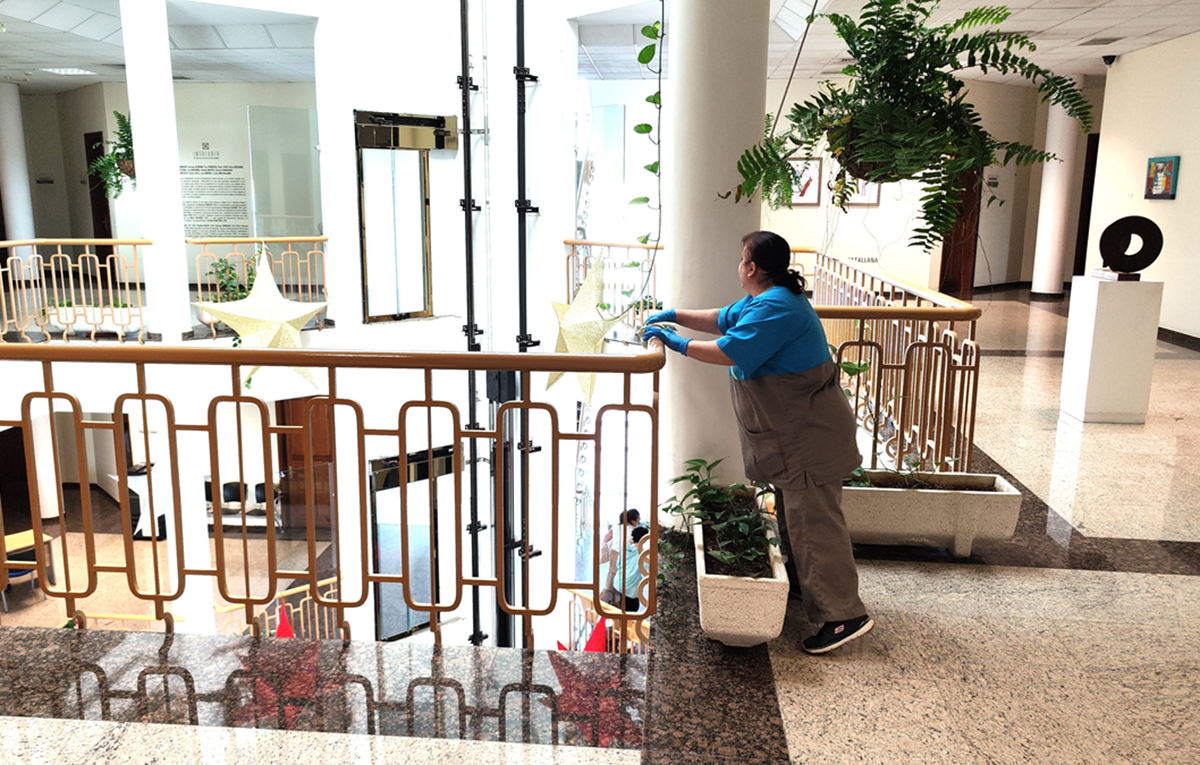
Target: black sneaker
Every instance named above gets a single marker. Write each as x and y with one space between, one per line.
834 634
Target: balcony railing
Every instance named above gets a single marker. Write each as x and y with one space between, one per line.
161 409
297 263
917 394
66 287
916 397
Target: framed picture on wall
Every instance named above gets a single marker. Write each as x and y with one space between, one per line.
864 195
808 187
1162 176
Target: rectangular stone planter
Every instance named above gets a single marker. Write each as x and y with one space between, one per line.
881 515
737 610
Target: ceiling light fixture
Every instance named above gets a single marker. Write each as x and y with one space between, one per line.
70 72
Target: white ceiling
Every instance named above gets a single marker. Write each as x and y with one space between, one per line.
1061 29
209 43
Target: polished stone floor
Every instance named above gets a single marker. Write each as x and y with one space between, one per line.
1078 641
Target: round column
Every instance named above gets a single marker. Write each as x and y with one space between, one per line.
1050 254
715 107
156 145
14 167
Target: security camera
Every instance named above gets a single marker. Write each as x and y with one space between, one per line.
1109 60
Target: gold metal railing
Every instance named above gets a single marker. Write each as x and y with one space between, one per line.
628 272
308 618
60 287
630 276
175 439
917 395
297 263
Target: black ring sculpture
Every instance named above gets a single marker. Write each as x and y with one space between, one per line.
1116 238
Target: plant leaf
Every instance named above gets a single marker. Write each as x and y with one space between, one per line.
640 201
643 128
646 55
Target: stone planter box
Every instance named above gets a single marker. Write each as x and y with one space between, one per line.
740 611
881 515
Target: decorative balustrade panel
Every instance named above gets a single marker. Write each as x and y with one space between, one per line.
183 434
630 282
226 269
64 288
917 393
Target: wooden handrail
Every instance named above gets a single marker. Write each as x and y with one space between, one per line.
940 299
255 239
650 360
937 313
590 243
32 242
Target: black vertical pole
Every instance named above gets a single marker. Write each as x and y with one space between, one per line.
525 341
470 328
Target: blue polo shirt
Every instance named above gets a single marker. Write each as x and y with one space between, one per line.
775 333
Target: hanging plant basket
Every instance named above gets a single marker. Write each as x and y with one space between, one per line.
904 114
126 167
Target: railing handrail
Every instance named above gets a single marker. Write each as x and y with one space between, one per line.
650 360
940 299
35 242
899 312
592 243
255 239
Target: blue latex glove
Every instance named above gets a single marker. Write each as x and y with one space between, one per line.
660 316
668 338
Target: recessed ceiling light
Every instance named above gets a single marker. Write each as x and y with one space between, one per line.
70 72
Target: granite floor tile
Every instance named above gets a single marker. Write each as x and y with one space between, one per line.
101 743
869 715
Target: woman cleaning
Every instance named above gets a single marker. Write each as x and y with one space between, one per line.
797 429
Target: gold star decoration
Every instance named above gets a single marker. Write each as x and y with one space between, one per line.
265 319
581 326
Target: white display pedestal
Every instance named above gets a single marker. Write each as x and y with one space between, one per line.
1112 334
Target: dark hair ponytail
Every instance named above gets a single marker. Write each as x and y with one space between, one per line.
629 516
770 252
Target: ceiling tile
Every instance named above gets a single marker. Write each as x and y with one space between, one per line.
116 38
1045 14
26 10
195 38
64 16
292 35
98 27
246 36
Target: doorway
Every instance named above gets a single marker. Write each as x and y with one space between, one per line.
1085 204
93 147
293 483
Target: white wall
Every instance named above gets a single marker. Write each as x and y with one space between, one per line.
79 112
43 147
1151 109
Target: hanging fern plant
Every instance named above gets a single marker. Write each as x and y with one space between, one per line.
904 115
115 167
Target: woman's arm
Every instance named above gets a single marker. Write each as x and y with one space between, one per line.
704 320
709 352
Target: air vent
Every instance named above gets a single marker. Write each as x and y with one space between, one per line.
1102 41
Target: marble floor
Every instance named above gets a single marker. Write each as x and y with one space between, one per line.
1078 641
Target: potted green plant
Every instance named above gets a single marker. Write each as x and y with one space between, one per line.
741 581
915 504
904 114
230 286
115 167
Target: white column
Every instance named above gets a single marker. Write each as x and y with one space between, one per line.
1050 254
156 147
14 167
715 105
